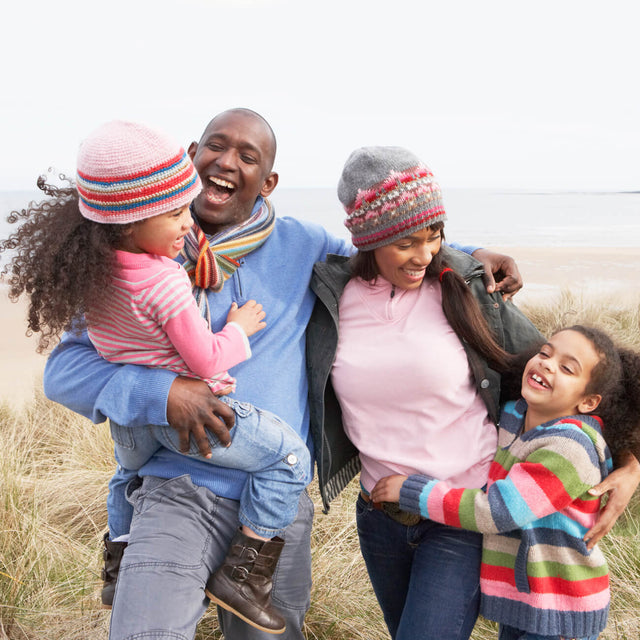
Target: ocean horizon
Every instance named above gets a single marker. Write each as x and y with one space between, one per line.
484 217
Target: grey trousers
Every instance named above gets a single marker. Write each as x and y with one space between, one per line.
179 535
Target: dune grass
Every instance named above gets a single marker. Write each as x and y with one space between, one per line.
54 471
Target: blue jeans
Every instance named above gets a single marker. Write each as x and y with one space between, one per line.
426 577
179 536
263 445
511 633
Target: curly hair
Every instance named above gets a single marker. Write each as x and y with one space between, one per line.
616 377
61 260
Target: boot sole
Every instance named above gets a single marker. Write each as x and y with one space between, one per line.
229 608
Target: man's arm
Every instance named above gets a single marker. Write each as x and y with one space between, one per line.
620 485
77 377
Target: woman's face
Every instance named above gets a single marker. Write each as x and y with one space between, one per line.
404 261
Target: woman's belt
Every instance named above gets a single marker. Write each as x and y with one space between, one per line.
392 509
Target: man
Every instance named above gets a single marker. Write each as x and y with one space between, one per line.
186 511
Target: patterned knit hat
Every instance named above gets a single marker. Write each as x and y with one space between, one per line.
128 172
387 194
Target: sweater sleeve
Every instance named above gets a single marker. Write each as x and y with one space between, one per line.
465 248
77 377
562 467
205 353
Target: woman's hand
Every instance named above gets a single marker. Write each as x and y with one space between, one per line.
388 489
620 485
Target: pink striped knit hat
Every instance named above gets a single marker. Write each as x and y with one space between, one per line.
127 172
387 194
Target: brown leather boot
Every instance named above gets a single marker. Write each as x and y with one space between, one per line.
243 582
112 555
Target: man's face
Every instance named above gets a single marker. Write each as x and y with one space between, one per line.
234 159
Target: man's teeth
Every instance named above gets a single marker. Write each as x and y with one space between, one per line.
539 380
221 183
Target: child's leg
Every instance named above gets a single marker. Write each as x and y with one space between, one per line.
274 455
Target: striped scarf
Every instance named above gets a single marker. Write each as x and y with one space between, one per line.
209 262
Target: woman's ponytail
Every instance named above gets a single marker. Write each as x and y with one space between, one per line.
465 316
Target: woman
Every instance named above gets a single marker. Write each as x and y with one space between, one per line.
402 356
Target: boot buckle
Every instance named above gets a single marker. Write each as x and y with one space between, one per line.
239 573
249 553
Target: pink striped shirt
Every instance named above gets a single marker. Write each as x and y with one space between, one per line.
150 317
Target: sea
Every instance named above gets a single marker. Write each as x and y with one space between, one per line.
474 216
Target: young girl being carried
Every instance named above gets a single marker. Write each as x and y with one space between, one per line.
539 578
106 250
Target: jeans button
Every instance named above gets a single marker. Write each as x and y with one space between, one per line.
292 458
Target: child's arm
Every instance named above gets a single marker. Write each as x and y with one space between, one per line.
206 353
550 479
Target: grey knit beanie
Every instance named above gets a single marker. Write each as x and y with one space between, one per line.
387 194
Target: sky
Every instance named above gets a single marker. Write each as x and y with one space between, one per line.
499 94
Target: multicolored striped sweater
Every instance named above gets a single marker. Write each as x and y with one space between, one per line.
537 574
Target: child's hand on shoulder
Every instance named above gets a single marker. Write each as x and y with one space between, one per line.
249 316
388 489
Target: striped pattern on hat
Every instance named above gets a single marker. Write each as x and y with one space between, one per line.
387 193
128 171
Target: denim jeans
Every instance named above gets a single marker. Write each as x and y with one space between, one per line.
179 536
511 633
263 445
426 577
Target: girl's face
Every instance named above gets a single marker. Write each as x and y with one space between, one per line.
161 235
555 380
404 261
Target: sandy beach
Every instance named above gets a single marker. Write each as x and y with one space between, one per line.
591 271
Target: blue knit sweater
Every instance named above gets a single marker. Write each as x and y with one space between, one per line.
277 275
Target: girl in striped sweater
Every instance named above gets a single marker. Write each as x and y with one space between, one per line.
107 249
539 578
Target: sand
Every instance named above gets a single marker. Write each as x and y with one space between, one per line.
592 271
21 370
601 271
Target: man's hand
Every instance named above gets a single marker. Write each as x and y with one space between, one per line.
621 485
192 408
500 272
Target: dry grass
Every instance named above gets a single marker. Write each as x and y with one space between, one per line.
53 483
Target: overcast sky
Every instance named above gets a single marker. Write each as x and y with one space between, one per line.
500 94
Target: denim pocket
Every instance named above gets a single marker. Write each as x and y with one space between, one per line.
361 506
242 409
154 491
122 436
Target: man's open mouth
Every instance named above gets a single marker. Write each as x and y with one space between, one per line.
218 190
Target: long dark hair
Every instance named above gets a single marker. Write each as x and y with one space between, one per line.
458 303
61 260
